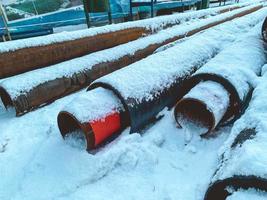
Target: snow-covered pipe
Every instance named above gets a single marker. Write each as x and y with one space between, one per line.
98 114
206 104
243 156
235 70
264 30
28 54
29 90
148 86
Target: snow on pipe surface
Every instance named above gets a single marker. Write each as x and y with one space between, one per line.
29 90
264 30
243 157
234 70
20 56
147 91
97 114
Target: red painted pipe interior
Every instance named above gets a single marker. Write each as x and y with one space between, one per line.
105 127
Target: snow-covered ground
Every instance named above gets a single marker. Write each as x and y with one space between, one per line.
162 162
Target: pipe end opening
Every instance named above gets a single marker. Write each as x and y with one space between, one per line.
5 98
194 116
73 132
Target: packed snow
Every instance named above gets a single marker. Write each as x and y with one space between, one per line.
38 164
94 105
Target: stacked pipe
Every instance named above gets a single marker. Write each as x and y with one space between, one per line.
28 54
243 156
25 92
154 82
219 93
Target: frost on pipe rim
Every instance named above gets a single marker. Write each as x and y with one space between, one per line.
25 92
264 30
234 69
243 156
28 54
98 114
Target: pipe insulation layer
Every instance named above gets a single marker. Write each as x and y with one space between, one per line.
205 104
29 90
154 82
98 114
242 63
243 157
28 54
264 30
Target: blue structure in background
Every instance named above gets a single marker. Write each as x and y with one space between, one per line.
44 24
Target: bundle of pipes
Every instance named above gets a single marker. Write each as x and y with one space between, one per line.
21 56
264 30
146 87
243 156
219 93
29 90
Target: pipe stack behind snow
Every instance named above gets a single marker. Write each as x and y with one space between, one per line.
28 54
243 156
219 92
29 90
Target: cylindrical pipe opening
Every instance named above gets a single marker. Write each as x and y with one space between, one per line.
203 107
5 97
264 30
95 131
194 116
72 129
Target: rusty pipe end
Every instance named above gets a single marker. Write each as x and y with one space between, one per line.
6 98
68 123
195 111
264 30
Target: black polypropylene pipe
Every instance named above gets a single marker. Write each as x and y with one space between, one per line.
218 190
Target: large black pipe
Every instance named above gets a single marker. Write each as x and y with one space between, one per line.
244 60
243 161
